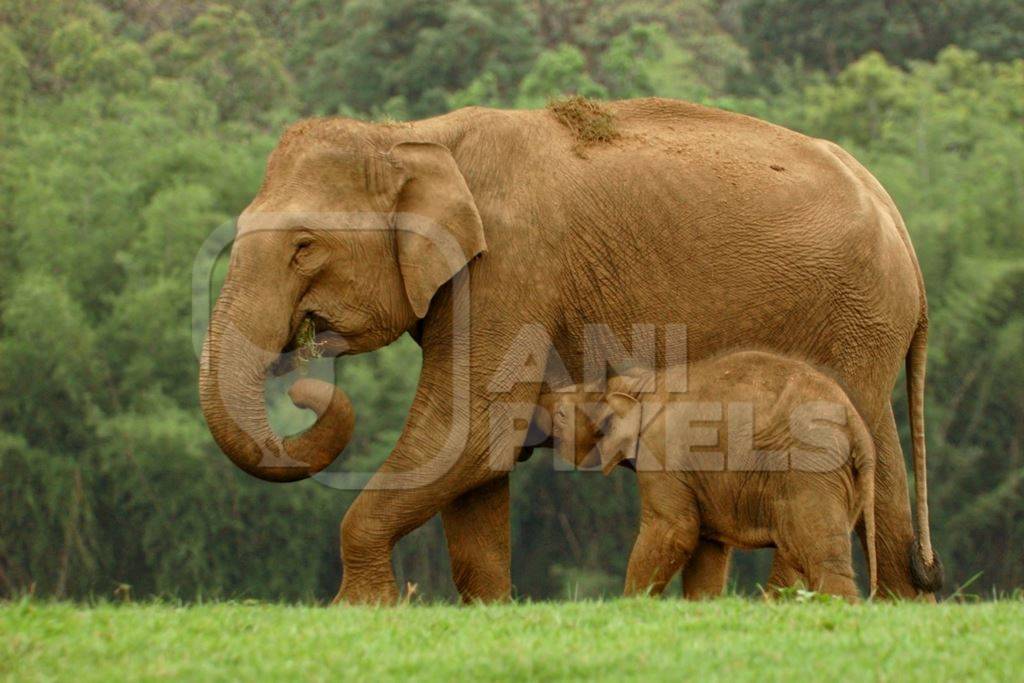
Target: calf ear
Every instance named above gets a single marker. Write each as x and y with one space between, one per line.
563 433
621 430
438 228
627 381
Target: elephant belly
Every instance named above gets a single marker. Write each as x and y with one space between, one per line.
736 507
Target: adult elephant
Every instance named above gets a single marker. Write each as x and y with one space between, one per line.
635 212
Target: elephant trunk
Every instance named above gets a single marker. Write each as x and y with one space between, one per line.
231 385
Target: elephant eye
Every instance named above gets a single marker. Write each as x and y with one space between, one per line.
308 255
302 246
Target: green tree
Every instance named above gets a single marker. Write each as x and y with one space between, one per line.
833 34
239 69
408 56
14 81
557 72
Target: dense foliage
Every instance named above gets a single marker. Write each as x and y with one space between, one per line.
130 130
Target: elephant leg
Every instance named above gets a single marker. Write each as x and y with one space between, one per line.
367 575
451 446
895 532
830 567
704 576
476 525
381 515
661 548
784 574
813 533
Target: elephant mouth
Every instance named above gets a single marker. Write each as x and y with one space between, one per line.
313 338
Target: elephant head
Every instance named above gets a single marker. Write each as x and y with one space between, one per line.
620 418
587 431
352 230
572 429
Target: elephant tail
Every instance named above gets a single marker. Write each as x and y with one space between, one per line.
864 467
925 567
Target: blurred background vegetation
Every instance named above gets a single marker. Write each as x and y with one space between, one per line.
130 129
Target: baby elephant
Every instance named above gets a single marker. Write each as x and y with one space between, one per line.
749 449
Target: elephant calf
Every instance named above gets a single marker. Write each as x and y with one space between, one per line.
759 451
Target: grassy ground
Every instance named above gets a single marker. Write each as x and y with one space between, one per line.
727 639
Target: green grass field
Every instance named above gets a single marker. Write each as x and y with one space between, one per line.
667 639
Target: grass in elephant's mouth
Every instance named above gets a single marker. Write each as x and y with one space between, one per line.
307 348
640 639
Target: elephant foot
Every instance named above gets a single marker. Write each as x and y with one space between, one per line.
366 593
485 587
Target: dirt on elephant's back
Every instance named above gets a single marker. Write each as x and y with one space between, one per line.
589 122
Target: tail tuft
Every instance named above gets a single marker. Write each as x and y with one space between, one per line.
927 577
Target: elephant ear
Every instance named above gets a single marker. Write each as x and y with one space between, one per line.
563 431
621 429
436 219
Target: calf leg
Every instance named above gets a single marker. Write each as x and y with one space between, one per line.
784 574
661 548
830 570
704 576
818 542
